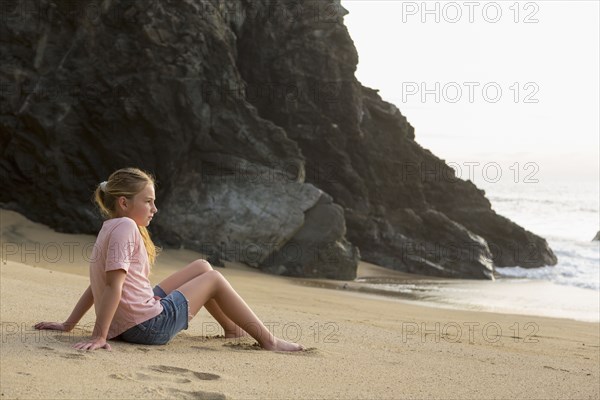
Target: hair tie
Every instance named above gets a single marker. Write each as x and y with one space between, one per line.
103 186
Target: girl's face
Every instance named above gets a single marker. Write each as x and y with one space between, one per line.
140 208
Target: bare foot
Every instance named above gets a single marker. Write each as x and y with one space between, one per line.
282 345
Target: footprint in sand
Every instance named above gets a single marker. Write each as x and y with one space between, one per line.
204 348
181 394
63 338
145 377
141 377
167 374
205 376
73 356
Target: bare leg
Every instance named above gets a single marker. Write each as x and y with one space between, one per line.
212 285
188 273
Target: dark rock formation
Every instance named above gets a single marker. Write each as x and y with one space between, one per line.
266 148
597 237
404 207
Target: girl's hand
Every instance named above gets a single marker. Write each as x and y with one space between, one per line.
93 344
56 326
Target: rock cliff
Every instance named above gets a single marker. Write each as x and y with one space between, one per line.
266 148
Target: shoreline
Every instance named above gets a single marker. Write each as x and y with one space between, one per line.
459 294
370 280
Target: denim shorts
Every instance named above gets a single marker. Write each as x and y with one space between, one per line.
162 328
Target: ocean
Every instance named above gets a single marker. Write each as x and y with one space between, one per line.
567 215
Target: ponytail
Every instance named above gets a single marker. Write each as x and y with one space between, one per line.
125 182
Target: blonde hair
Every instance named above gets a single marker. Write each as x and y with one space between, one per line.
125 182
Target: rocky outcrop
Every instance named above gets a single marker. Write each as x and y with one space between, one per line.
266 148
404 207
597 237
134 85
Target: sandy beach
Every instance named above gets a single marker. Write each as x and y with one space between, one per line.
359 345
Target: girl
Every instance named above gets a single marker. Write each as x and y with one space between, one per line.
126 305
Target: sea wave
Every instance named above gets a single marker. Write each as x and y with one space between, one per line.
568 274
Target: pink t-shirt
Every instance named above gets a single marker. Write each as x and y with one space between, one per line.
119 245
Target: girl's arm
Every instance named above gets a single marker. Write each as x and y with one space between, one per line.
107 306
83 305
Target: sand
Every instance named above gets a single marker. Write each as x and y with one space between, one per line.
359 345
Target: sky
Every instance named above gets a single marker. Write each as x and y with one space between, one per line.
517 83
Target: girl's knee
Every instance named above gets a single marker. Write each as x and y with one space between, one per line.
202 265
216 275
